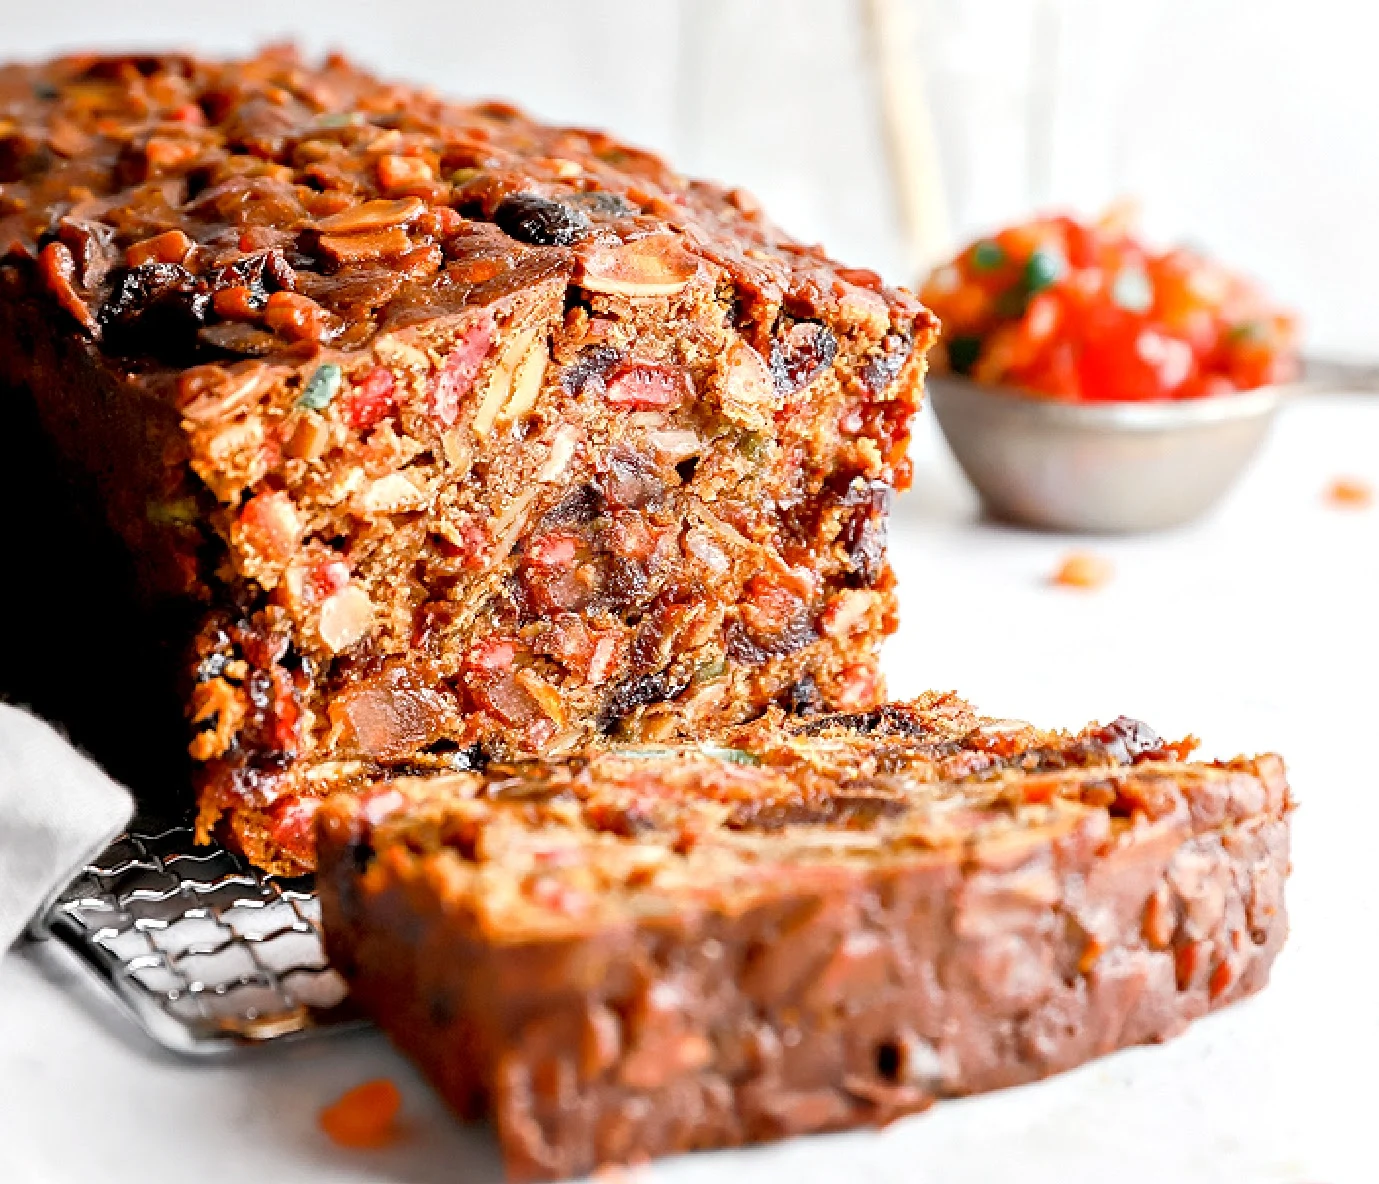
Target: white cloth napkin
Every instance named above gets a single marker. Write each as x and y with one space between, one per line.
57 811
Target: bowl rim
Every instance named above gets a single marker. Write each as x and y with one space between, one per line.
1140 416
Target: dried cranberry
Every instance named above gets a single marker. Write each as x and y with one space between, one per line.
804 353
540 221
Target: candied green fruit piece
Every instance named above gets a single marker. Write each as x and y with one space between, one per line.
322 387
1044 269
987 255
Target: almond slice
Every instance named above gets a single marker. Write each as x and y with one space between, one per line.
373 215
526 383
562 452
215 394
242 436
392 350
344 250
393 494
499 388
455 445
546 696
345 618
748 393
653 266
58 270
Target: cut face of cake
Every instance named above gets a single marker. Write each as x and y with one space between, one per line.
437 435
798 925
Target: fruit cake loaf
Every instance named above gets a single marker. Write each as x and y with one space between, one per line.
437 434
805 925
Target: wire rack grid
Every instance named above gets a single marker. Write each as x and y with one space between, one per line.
206 953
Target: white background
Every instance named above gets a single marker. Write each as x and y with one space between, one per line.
1249 126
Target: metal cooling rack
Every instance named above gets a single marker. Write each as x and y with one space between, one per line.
205 952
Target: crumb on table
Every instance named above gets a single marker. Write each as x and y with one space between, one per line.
364 1117
1350 493
1083 569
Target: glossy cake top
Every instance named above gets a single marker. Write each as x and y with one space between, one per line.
196 210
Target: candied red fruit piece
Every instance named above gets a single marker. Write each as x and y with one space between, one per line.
269 525
372 398
292 826
557 549
646 386
328 576
456 377
493 654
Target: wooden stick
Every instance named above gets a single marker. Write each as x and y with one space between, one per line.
912 147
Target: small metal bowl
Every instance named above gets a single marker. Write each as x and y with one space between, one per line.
1100 467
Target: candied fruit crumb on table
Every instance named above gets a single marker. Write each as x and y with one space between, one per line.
1083 569
365 1117
438 435
798 925
1350 493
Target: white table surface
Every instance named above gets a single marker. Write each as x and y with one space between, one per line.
1255 629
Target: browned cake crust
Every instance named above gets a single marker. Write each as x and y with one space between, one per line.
804 926
451 434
